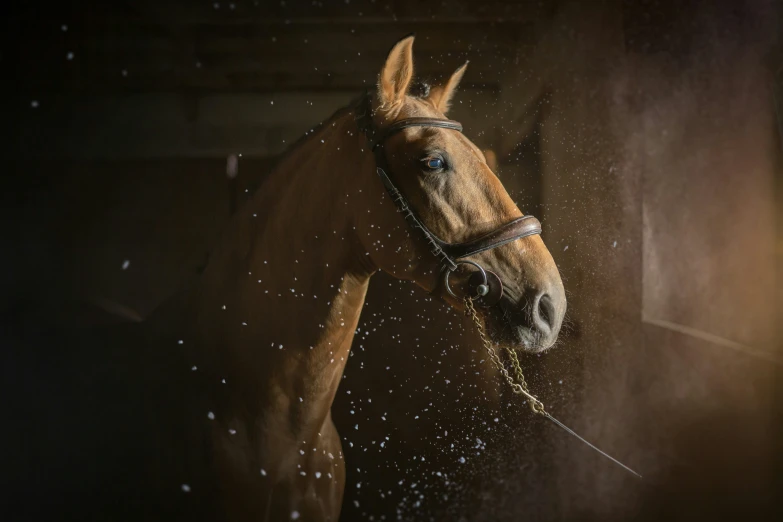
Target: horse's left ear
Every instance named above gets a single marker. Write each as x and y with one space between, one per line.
396 75
441 96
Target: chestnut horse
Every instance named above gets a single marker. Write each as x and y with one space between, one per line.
218 407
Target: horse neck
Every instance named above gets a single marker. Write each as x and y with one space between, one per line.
280 300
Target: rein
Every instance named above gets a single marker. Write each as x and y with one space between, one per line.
488 287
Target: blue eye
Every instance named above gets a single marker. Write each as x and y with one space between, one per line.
435 163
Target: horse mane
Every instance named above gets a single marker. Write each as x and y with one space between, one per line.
307 136
418 89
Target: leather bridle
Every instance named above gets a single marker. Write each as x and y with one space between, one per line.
489 288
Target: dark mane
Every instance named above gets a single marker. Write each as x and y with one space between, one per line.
308 135
418 89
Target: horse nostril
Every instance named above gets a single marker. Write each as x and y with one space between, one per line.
544 313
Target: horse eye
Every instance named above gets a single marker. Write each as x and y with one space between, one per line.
434 163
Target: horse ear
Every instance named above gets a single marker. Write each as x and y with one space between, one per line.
396 74
441 96
492 159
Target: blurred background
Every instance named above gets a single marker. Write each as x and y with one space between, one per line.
646 136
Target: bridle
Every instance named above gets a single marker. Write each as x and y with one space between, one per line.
489 288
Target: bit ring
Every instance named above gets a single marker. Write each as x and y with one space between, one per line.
481 290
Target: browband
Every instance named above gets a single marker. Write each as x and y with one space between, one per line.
416 122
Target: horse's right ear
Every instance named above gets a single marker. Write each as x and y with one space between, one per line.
396 75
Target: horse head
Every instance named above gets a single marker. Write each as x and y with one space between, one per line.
442 182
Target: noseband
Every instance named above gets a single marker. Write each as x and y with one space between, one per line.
489 288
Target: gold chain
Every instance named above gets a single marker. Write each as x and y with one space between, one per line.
520 385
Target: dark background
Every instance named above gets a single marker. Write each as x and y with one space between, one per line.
644 134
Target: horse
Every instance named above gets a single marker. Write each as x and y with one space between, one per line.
218 405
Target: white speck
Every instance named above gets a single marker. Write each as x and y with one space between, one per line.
301 452
180 342
272 102
211 416
126 263
566 248
34 104
317 474
496 419
185 488
280 347
69 56
614 244
462 460
124 72
194 368
294 515
64 28
232 431
263 472
302 400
